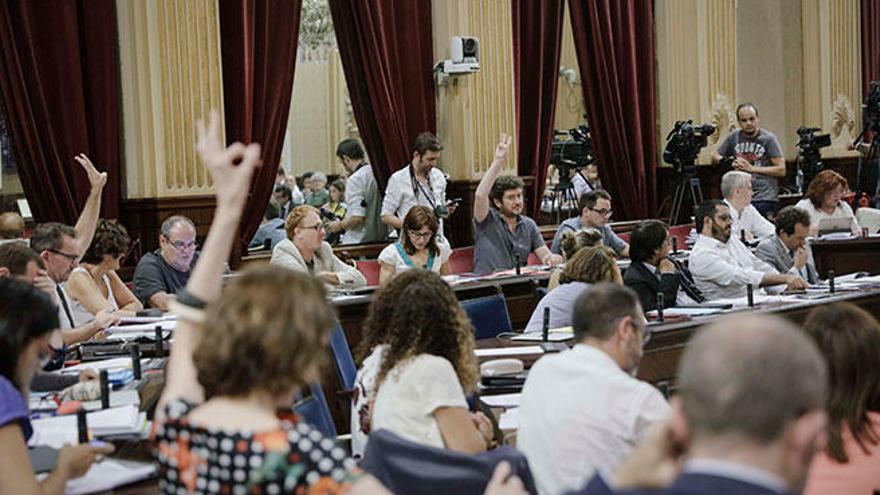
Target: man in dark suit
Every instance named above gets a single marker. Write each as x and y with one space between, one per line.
748 418
652 272
786 250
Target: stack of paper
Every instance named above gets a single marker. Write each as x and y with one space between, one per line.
554 335
60 430
503 400
508 351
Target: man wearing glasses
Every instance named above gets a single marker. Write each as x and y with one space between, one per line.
60 248
160 274
596 211
721 265
582 410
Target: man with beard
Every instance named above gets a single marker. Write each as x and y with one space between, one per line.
755 151
722 266
503 236
582 410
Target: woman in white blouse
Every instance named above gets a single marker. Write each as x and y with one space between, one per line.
304 250
94 285
822 200
416 248
427 367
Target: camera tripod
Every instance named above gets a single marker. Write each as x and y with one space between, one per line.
687 184
563 196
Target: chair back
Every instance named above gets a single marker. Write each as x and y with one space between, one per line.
370 269
315 411
869 218
342 357
403 466
461 260
489 315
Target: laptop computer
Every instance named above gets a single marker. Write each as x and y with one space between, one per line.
835 225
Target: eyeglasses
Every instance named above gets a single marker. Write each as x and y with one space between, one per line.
641 324
602 211
181 245
316 227
70 257
421 235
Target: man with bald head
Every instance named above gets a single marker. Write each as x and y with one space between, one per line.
748 417
11 226
160 274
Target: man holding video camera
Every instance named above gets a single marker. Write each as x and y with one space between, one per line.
756 151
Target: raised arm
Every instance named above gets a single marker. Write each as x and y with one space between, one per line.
231 183
481 197
88 219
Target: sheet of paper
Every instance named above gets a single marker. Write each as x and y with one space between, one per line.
557 335
509 419
109 474
142 327
59 430
503 400
508 351
686 311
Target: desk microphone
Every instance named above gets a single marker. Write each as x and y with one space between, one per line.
136 360
660 304
516 261
750 295
82 426
105 390
160 349
545 329
742 236
831 281
675 245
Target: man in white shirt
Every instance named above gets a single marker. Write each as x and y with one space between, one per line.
736 188
721 265
362 220
418 183
582 410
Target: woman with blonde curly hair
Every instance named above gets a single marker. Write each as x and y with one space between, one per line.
426 370
588 266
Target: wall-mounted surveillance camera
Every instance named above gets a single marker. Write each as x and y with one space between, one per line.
464 53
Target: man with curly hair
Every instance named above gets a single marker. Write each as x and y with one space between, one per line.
503 236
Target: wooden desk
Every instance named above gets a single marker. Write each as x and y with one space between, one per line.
847 256
659 364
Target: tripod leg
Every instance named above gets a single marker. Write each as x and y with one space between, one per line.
677 198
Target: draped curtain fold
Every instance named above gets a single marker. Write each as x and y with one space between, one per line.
59 79
386 47
258 42
537 45
870 42
614 41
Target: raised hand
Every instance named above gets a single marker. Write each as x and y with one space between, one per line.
97 180
231 167
502 147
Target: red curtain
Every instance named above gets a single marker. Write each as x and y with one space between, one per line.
258 40
386 48
59 79
870 43
614 41
537 44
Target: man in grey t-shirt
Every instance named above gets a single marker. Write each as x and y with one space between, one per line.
595 207
504 236
757 152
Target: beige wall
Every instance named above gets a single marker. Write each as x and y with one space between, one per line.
798 60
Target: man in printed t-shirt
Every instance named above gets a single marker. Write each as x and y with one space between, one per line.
757 152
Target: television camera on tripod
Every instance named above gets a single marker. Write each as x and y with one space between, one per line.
571 151
809 157
869 175
683 144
